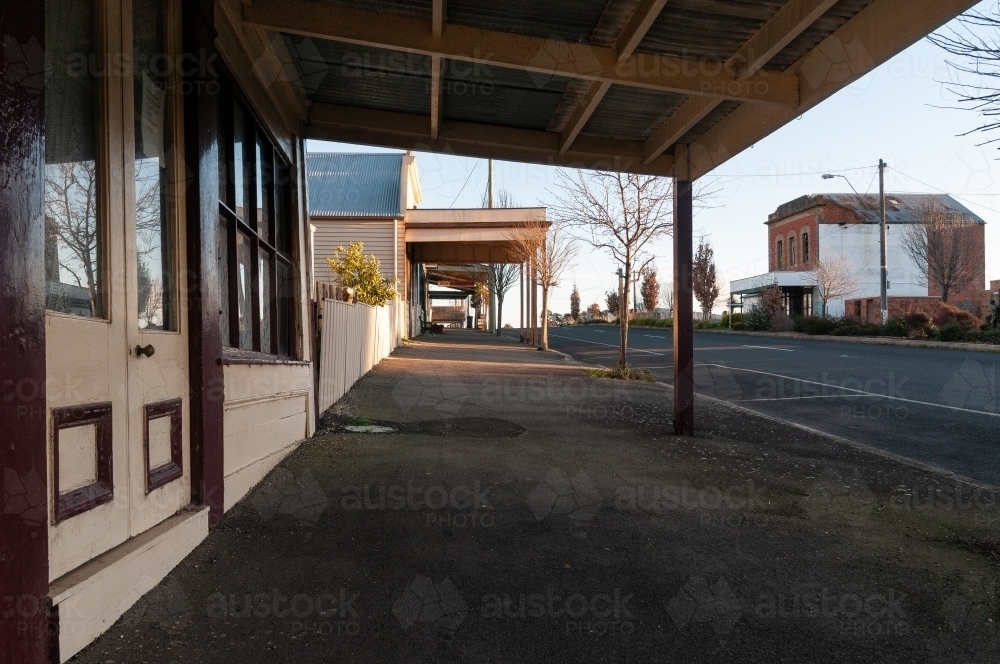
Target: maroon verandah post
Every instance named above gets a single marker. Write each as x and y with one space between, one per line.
683 310
26 634
201 154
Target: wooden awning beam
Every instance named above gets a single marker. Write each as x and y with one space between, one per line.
779 31
408 131
873 36
552 57
635 29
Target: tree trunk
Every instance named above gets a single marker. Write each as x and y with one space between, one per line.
499 313
623 316
545 318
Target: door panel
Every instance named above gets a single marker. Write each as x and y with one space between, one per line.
154 262
85 325
119 286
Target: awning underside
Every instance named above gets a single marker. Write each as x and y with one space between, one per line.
641 85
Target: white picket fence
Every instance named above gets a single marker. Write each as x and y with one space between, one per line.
354 338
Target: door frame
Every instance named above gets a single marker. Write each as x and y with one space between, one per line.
24 552
201 155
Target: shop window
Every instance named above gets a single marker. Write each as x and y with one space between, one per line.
153 149
256 263
75 215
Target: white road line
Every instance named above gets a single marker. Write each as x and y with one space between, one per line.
600 343
814 396
850 389
653 336
787 350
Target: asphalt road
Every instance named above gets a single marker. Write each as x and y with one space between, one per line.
935 406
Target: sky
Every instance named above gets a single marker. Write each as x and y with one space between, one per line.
902 112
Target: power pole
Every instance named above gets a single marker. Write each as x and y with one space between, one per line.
492 315
635 291
884 240
489 185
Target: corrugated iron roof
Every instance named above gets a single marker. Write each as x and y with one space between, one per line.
628 113
707 30
905 208
499 95
339 73
354 185
571 20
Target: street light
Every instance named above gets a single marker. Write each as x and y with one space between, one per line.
883 234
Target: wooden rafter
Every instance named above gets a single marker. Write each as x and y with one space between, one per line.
635 29
437 94
637 26
438 17
584 109
545 56
786 24
409 131
873 36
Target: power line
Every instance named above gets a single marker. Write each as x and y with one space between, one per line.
943 191
474 166
785 175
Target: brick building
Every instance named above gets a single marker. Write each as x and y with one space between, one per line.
825 227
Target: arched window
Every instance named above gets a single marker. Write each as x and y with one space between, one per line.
805 247
791 251
780 255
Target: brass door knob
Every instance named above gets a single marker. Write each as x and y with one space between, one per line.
144 350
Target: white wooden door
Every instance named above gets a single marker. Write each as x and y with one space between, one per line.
159 462
118 420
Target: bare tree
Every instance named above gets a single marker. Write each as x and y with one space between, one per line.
944 248
667 298
834 279
620 213
551 251
650 289
71 213
975 80
574 304
704 279
503 276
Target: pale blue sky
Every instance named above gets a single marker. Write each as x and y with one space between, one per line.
900 112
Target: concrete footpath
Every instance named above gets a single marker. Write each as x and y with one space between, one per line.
524 512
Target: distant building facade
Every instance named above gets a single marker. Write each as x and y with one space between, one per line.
827 227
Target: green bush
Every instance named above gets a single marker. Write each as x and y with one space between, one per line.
737 320
816 325
956 332
652 322
896 327
626 372
756 318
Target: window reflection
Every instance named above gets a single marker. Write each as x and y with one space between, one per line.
73 234
154 242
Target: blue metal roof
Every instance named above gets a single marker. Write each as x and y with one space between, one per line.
354 185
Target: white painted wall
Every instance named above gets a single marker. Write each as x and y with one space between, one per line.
268 411
859 243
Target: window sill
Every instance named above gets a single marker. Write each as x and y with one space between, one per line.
233 356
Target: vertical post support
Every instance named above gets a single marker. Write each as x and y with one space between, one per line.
520 298
201 155
683 306
26 618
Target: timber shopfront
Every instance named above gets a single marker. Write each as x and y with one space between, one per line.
154 358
